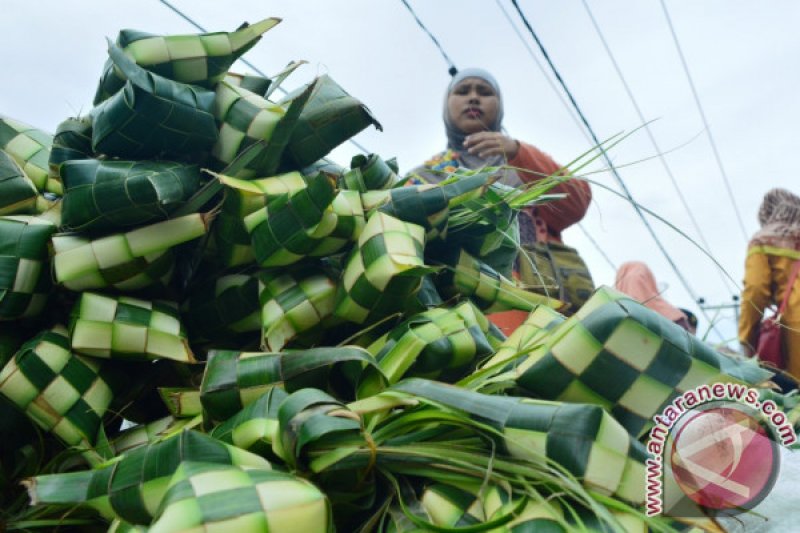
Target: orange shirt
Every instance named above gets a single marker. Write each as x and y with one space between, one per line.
557 215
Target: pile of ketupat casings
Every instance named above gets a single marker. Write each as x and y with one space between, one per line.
209 326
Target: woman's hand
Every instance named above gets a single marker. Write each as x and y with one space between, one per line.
488 143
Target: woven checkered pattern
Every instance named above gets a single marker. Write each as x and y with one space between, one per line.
30 148
652 360
134 486
424 205
128 275
127 328
254 427
127 261
442 344
330 117
212 497
584 439
293 303
72 141
61 392
245 118
200 59
152 116
383 270
344 223
291 226
488 289
233 380
17 192
24 277
527 335
369 173
107 195
231 241
223 308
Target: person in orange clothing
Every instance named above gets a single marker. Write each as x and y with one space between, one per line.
771 254
473 116
635 279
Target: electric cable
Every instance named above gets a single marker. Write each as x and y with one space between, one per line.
705 123
610 164
652 138
451 66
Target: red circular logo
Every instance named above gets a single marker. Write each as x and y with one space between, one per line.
724 458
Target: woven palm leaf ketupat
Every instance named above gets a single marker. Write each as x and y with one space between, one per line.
330 117
369 173
61 392
152 116
30 148
214 497
101 196
24 259
383 270
652 359
133 487
72 141
442 344
292 225
128 328
245 118
426 205
128 261
344 223
233 380
19 194
293 303
489 290
232 245
199 59
582 438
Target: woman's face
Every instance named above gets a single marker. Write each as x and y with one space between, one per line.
472 105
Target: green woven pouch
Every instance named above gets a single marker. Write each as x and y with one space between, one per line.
17 192
30 148
330 117
24 259
200 59
152 116
102 196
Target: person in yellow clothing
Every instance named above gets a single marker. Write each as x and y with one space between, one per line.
771 254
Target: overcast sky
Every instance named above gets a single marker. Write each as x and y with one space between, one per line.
742 56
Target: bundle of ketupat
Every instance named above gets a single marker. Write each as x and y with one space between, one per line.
284 311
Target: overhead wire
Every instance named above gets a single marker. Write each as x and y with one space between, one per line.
652 138
609 163
710 136
257 70
451 66
570 112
